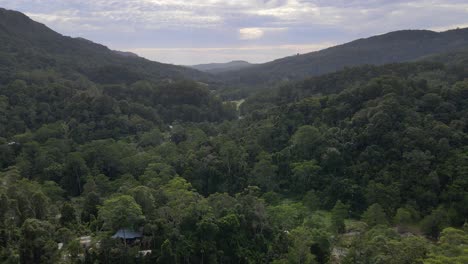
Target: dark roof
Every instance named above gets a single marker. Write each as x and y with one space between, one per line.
125 233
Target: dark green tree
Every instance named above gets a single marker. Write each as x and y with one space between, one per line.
338 214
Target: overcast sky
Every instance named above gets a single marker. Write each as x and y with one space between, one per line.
201 31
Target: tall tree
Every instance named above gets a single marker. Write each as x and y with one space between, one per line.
121 212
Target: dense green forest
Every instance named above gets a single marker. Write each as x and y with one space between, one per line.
365 165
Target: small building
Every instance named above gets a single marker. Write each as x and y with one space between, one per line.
85 241
128 235
143 253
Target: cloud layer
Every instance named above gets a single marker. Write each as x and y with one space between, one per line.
178 31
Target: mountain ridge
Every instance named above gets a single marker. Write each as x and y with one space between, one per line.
49 49
376 50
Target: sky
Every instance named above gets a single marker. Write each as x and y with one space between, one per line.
188 32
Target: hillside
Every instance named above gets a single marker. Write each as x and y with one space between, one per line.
27 45
398 46
379 136
222 67
48 79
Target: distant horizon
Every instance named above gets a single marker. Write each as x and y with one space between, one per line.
325 47
281 52
195 32
220 62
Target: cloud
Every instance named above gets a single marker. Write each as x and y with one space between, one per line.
256 33
290 10
255 14
250 33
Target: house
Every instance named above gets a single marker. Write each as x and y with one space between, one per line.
128 235
143 253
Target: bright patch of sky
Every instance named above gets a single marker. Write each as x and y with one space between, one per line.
202 31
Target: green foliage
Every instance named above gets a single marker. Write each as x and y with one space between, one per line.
37 244
120 212
151 138
338 214
311 200
67 214
383 245
306 176
299 252
434 223
374 215
451 248
307 140
286 216
264 173
90 206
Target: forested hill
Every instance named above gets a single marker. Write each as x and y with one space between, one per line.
26 45
48 80
398 46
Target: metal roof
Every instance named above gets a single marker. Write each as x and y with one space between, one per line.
125 233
